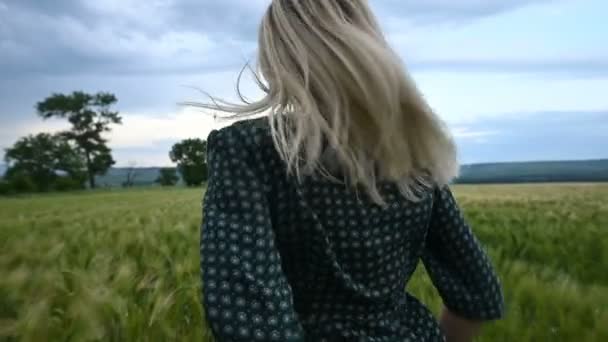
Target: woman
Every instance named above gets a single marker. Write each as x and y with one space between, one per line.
316 216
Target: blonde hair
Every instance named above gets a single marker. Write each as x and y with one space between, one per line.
336 93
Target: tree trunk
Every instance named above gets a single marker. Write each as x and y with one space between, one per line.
90 172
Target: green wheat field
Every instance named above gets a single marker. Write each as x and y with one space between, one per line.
123 265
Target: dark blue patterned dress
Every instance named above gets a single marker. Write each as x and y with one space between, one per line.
283 261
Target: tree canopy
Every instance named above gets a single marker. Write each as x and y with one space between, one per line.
167 176
191 158
44 162
90 117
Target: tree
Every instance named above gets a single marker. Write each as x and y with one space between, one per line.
6 188
90 117
191 158
131 175
167 176
41 162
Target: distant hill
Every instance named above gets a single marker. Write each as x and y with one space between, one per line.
527 172
513 172
116 176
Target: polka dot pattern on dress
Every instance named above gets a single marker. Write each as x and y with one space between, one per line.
315 261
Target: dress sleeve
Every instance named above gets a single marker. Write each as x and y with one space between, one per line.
246 296
458 266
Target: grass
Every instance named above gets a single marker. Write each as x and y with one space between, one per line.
123 265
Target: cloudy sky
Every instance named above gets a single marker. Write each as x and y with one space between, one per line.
514 79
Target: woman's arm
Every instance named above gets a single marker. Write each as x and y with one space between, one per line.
246 296
458 329
460 270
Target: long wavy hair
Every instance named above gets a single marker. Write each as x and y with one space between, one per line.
338 98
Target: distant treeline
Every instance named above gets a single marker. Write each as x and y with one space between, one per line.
519 172
145 176
530 172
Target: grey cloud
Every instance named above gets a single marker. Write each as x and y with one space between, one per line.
215 16
584 67
447 11
594 122
77 39
166 36
551 135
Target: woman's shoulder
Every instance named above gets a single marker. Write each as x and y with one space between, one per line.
247 140
250 133
246 144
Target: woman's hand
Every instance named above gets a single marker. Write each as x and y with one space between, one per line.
457 329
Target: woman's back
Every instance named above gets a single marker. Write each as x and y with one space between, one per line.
289 255
314 260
